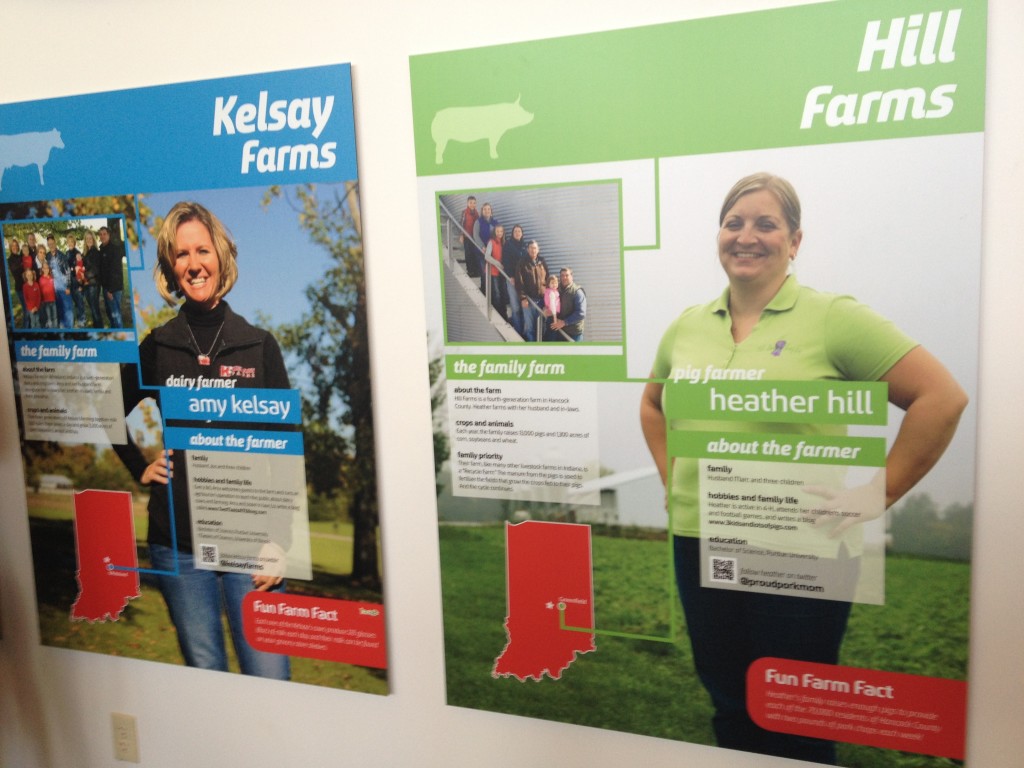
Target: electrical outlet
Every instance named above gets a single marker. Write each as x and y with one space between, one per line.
126 737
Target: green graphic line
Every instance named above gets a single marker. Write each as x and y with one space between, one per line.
657 213
675 607
610 632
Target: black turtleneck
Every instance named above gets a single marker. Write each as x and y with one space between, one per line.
205 323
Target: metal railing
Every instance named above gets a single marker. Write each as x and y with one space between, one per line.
450 227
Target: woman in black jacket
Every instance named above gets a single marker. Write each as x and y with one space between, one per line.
211 347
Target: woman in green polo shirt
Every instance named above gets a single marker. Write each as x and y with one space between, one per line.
766 322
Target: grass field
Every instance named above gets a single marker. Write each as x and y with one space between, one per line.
648 687
144 630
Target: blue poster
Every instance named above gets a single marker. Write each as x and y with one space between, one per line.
185 300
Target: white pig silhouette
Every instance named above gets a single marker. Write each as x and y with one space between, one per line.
467 124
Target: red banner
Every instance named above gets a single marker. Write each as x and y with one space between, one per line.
344 631
911 713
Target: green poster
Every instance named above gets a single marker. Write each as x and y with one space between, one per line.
702 302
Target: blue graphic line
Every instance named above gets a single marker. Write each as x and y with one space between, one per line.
112 567
174 534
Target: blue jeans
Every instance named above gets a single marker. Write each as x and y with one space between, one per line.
50 313
517 319
556 336
92 297
472 258
499 294
65 315
530 315
197 600
729 630
26 320
114 308
79 303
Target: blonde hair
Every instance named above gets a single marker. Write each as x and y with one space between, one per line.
777 185
166 249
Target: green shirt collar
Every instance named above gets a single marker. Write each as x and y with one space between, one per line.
783 300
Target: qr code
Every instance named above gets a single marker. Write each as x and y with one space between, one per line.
208 554
723 569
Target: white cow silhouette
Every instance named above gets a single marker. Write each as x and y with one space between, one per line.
21 149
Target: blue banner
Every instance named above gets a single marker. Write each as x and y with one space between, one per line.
269 406
240 441
276 128
76 351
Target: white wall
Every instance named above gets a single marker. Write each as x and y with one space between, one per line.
55 704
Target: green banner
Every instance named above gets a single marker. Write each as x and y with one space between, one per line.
792 402
818 74
535 367
759 446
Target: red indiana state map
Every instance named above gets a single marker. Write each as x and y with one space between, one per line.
549 575
104 538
